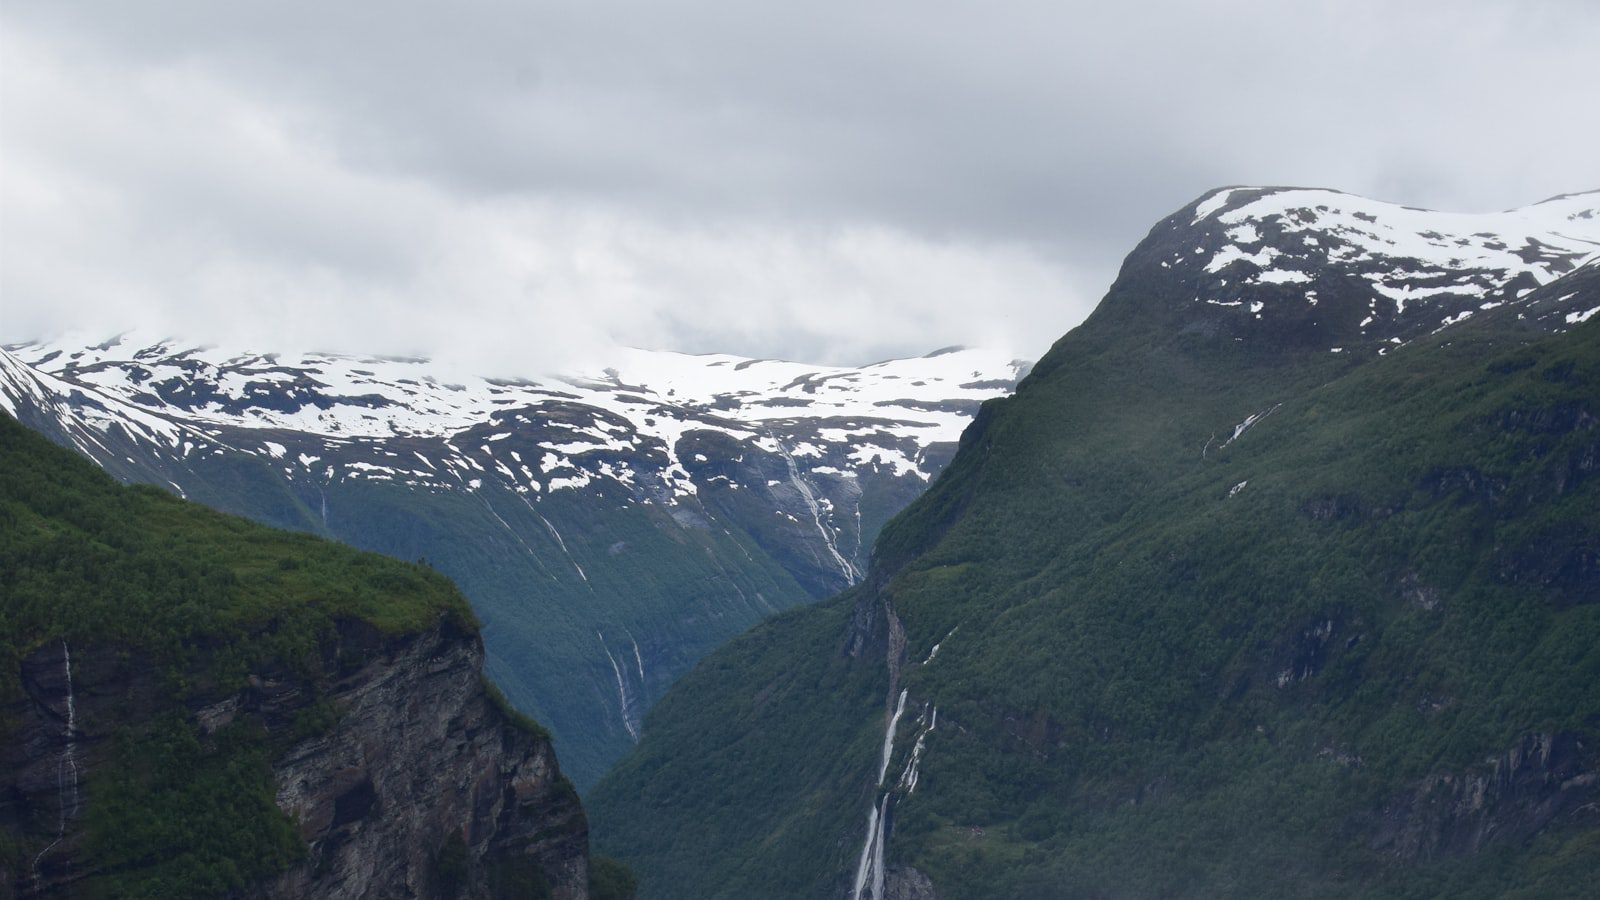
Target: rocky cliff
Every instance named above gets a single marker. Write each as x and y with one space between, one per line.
420 785
192 705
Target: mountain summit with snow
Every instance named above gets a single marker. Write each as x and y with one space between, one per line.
1298 268
610 525
621 423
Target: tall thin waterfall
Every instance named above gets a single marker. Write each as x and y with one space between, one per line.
66 766
869 870
628 704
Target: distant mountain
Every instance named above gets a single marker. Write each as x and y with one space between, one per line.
609 527
1278 577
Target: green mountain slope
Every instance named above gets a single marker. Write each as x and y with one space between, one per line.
1349 649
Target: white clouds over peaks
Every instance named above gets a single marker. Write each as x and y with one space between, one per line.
518 183
150 195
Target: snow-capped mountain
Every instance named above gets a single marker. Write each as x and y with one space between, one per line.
610 526
1302 268
622 423
1301 526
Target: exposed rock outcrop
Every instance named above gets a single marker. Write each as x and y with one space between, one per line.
1544 780
420 755
422 785
906 883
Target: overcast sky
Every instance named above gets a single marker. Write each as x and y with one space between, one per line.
516 184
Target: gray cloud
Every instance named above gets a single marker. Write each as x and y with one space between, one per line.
521 182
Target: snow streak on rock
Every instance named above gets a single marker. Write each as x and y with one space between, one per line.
829 539
623 424
1281 255
705 438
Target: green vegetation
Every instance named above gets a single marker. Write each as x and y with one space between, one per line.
179 816
91 561
1178 668
611 880
184 603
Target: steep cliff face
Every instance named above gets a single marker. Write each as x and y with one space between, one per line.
1546 779
421 755
419 784
192 705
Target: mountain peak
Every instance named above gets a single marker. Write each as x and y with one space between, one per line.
1317 269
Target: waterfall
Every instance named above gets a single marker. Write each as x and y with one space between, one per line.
851 574
908 777
69 754
935 651
628 712
864 868
559 542
638 659
66 767
888 737
870 867
877 849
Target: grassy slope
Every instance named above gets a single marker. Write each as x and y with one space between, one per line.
205 598
1109 712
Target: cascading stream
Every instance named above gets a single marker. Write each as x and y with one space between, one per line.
851 575
559 542
869 870
628 711
66 767
888 736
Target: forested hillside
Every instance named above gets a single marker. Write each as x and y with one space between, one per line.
1261 597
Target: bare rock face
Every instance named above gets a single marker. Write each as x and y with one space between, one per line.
422 773
422 786
1544 780
906 883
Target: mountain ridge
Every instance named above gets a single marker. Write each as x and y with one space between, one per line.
1202 608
